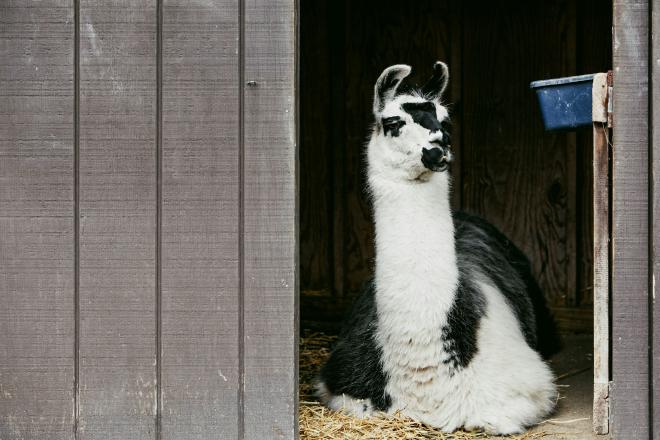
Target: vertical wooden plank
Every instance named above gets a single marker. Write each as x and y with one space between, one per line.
601 276
36 220
270 220
455 98
630 218
594 54
337 90
117 219
200 191
317 146
655 214
569 241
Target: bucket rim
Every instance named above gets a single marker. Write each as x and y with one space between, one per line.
561 81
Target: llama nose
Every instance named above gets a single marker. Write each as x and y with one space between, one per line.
442 138
436 158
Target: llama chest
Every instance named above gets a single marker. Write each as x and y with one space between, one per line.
433 335
421 373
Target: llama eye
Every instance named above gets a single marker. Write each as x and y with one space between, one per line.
392 125
446 124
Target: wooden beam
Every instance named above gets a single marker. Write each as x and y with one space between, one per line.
601 278
270 224
37 220
118 189
601 253
630 223
655 216
200 201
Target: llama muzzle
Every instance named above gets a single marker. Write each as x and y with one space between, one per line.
436 158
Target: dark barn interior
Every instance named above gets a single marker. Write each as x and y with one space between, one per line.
534 185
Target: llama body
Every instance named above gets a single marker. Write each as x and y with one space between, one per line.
447 333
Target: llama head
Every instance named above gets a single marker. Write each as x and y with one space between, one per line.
410 138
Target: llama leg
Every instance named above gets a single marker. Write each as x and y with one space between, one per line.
360 408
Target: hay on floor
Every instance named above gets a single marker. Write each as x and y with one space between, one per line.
320 423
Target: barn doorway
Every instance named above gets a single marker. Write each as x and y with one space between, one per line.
533 185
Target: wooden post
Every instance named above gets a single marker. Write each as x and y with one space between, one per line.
601 254
269 242
601 279
630 391
37 287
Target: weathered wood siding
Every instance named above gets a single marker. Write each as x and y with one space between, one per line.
630 222
148 228
534 185
37 267
654 121
200 172
270 242
117 220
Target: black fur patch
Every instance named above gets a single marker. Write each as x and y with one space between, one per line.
423 113
459 335
355 367
445 125
392 125
482 248
435 159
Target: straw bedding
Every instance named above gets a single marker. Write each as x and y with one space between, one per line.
319 423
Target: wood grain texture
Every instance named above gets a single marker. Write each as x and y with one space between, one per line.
455 98
601 276
200 202
321 142
36 220
514 174
337 65
270 221
630 222
594 54
117 219
655 219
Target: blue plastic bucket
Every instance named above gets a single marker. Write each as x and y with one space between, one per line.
565 102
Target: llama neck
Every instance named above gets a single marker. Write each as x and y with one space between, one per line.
416 270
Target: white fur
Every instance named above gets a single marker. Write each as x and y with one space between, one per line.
360 408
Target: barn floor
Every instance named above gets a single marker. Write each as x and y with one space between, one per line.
573 367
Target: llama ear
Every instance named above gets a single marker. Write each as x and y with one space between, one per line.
437 84
387 84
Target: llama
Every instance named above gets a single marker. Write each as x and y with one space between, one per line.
453 329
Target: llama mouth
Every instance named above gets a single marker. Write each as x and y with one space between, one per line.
436 159
442 167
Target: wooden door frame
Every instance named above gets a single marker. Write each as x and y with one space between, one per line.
635 204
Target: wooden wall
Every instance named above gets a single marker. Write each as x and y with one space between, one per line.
533 185
148 219
635 410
